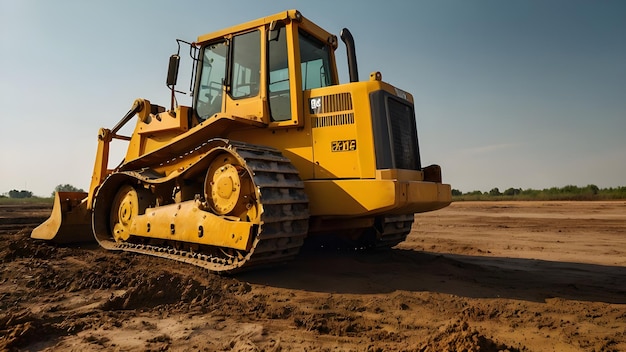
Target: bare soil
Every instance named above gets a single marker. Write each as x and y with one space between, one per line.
476 276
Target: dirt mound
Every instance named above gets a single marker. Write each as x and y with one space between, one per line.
21 327
459 336
177 291
21 246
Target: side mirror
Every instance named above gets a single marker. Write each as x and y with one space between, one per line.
172 70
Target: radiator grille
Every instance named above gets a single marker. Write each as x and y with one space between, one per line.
404 134
395 132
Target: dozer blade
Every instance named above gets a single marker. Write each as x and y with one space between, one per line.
70 221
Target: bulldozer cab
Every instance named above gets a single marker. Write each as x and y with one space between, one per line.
258 70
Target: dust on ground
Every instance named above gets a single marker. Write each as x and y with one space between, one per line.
476 276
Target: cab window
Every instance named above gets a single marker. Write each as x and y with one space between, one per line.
314 62
209 96
246 67
278 77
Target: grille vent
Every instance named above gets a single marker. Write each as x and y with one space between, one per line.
333 103
333 120
336 102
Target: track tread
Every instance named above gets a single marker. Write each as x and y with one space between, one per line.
284 221
395 229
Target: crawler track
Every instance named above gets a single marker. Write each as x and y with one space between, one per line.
394 230
281 233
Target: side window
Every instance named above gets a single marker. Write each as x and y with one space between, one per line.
246 68
278 78
314 62
209 97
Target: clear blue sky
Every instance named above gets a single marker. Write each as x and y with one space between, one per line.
528 94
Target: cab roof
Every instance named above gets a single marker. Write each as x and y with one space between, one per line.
286 16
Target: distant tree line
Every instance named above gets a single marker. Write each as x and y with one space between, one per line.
20 194
28 194
569 192
66 188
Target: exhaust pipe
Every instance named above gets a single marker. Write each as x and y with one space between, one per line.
347 38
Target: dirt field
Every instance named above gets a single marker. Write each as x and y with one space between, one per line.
477 276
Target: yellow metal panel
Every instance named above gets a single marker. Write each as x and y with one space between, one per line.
249 108
399 174
156 131
427 196
188 223
343 145
164 121
371 197
336 152
349 197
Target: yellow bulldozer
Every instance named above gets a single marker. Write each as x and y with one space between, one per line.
272 151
